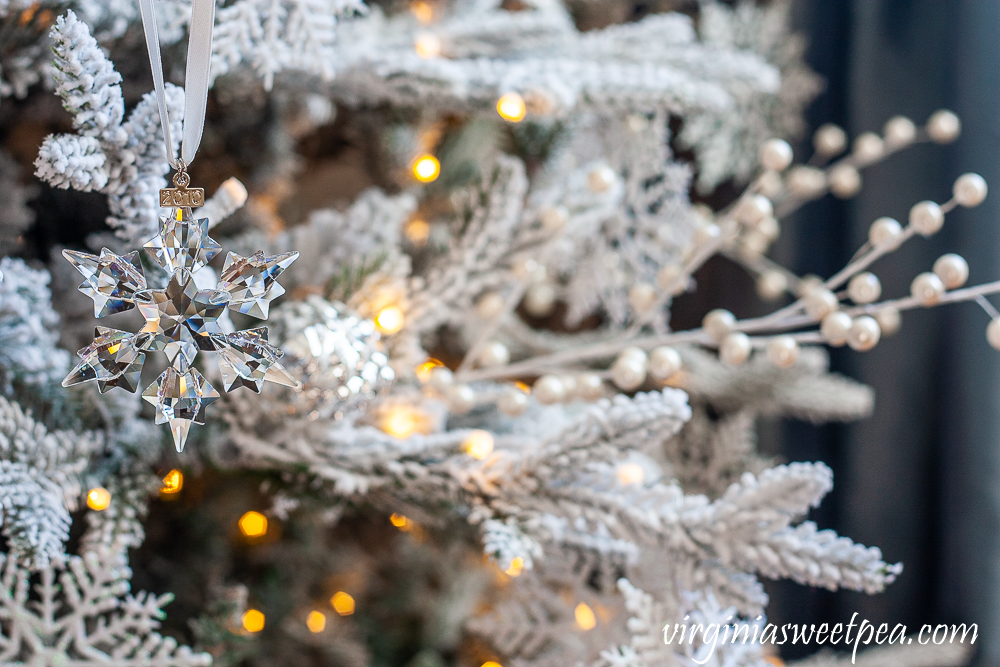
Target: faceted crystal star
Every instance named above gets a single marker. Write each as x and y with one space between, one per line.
180 399
111 280
181 317
246 359
183 242
113 359
251 281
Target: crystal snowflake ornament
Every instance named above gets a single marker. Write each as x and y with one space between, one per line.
181 321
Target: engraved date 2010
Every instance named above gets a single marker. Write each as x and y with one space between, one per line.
191 197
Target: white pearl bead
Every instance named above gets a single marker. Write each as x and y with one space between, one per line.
441 378
528 268
771 285
540 299
549 389
494 354
735 348
845 181
664 363
806 181
753 244
642 297
926 217
628 372
589 386
569 386
868 147
864 334
835 328
899 131
600 178
927 288
753 209
889 320
705 233
512 402
769 228
943 127
782 351
770 184
718 323
461 398
884 231
952 269
970 190
864 288
555 218
489 305
829 140
633 353
820 302
775 154
670 278
993 333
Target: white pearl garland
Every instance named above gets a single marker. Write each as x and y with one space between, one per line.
845 181
540 299
461 398
943 127
927 288
969 190
864 334
829 140
783 351
735 348
718 323
864 288
489 305
754 209
704 233
600 179
993 333
549 389
927 218
527 268
952 269
512 402
899 131
868 147
642 297
769 228
820 302
669 277
889 320
629 370
884 231
664 363
441 378
775 155
806 181
589 386
554 219
771 285
835 327
494 354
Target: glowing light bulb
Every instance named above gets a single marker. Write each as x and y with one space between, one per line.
253 524
585 616
422 11
511 107
316 621
426 168
515 568
402 421
98 498
342 603
478 444
630 473
427 45
173 482
401 522
390 320
253 620
491 663
425 369
417 231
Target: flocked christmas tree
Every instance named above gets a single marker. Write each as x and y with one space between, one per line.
491 444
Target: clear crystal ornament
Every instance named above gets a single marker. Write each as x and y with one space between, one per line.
181 321
336 355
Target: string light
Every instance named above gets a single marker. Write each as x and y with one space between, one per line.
515 568
630 473
390 320
511 107
401 421
417 231
342 603
478 444
98 498
426 168
253 620
425 369
427 45
316 621
401 522
173 482
423 11
491 663
585 616
253 524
